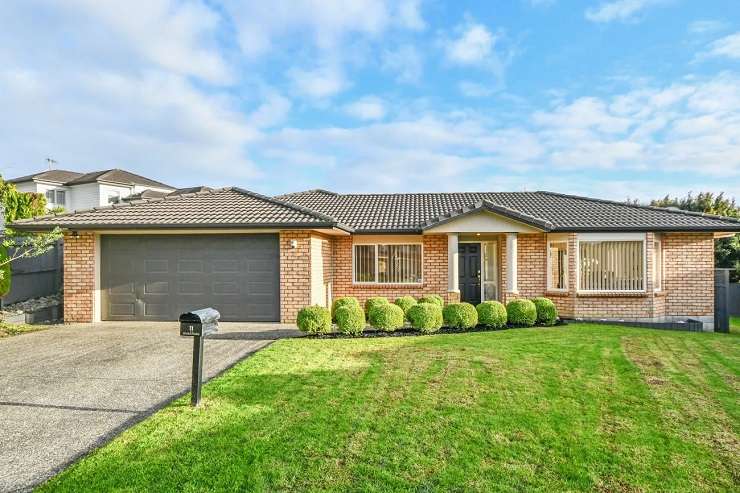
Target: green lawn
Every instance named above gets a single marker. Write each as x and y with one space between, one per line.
735 324
580 407
7 330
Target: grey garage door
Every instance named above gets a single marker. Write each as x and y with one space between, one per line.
159 277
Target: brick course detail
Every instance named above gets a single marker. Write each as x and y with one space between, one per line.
79 277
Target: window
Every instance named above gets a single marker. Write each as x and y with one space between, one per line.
387 264
657 265
61 198
114 197
557 278
611 265
50 196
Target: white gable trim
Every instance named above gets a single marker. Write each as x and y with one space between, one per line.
482 222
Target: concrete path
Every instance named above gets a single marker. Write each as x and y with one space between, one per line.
67 390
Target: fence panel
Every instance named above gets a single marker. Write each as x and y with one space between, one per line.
34 277
735 299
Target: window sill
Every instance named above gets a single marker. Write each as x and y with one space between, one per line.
373 285
612 294
556 292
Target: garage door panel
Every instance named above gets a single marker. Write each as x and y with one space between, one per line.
159 277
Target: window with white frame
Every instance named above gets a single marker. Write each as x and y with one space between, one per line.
387 263
611 264
657 264
61 200
50 196
557 272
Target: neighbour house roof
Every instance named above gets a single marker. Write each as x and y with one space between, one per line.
222 208
116 176
380 213
74 178
416 212
53 175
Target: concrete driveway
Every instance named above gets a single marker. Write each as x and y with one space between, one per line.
70 389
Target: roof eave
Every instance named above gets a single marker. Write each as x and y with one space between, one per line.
33 227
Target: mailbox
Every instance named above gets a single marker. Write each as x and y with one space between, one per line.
199 322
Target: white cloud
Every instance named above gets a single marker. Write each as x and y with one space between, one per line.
728 47
474 89
367 108
319 83
706 26
175 36
272 111
473 46
326 23
619 10
405 61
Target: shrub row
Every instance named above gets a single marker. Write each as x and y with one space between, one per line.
427 315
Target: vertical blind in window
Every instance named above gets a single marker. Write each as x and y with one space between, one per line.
611 266
396 264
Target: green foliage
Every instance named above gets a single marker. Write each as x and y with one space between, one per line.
4 271
343 301
460 315
521 312
426 317
314 320
386 317
492 314
374 302
20 205
350 319
406 302
547 313
726 250
433 298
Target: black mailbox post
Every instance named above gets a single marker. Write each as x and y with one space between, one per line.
198 324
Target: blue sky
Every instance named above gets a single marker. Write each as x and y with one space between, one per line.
608 98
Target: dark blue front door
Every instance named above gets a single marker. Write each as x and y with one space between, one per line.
469 265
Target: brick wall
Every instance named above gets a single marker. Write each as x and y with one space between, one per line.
295 273
79 277
434 273
688 277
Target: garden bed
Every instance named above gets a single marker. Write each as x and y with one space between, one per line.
410 332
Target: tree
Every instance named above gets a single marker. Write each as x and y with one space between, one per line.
15 245
726 250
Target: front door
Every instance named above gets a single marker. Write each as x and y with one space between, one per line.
469 259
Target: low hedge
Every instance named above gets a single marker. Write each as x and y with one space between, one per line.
460 315
426 317
386 317
521 312
314 320
433 298
492 314
406 302
547 313
343 301
375 301
5 272
350 320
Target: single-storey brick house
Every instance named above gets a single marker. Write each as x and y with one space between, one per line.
258 258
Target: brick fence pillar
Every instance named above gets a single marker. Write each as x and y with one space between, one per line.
79 277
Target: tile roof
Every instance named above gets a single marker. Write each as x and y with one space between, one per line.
414 212
116 176
222 208
53 175
379 213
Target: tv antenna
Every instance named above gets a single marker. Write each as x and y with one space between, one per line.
51 162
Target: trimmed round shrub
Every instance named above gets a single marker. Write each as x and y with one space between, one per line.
350 320
547 313
386 317
406 302
426 317
375 301
521 312
492 314
343 301
314 320
432 298
460 315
